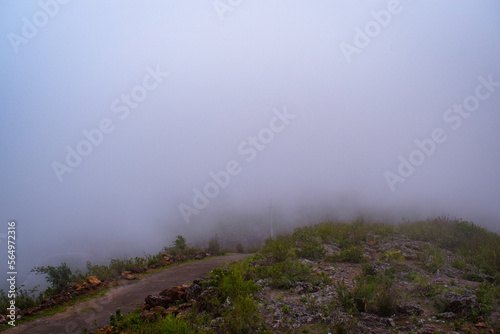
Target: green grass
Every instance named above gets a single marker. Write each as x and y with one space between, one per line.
478 246
352 254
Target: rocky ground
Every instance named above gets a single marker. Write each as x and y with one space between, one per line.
421 289
424 301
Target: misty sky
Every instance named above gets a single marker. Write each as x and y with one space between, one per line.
115 113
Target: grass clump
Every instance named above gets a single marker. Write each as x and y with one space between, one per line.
279 249
479 247
308 245
353 254
285 274
431 258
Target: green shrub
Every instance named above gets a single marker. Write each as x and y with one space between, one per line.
471 276
232 284
478 246
285 274
279 249
59 277
308 245
172 325
154 259
458 264
242 317
393 255
486 295
346 298
374 294
431 258
25 298
213 246
180 243
352 254
368 269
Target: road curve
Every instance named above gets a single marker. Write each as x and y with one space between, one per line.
128 296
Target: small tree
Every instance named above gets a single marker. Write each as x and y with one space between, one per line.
180 243
213 246
59 277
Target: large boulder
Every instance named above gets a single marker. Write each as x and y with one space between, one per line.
409 309
176 293
154 300
461 304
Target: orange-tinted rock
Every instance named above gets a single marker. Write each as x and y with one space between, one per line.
93 280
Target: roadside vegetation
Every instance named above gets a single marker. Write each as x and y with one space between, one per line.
62 278
438 275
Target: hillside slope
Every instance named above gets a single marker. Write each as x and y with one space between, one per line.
435 276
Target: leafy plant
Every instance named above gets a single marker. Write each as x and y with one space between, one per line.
59 277
285 274
279 249
309 246
346 298
431 258
180 243
213 246
352 254
471 276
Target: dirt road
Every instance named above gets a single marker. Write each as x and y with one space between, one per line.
128 296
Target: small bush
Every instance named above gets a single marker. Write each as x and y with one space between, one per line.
309 246
213 246
352 254
374 294
172 324
232 284
393 255
285 274
180 243
458 264
368 269
470 276
25 298
486 295
431 258
59 277
279 249
346 298
243 317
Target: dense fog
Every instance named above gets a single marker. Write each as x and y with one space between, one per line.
125 123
